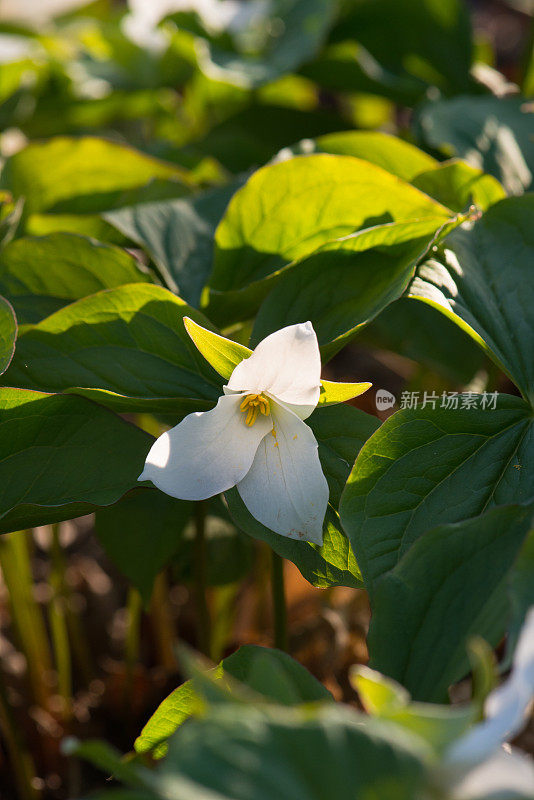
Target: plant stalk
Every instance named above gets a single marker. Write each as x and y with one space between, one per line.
201 581
279 602
58 624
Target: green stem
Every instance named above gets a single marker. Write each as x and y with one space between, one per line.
201 582
162 623
279 602
25 613
133 638
58 624
21 760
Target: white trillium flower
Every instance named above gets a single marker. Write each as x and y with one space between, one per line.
255 439
481 761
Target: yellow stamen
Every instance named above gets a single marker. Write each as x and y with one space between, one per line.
253 405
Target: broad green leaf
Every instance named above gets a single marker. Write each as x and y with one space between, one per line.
8 333
272 674
392 154
426 467
68 456
41 275
141 533
80 175
344 284
178 235
240 752
429 40
385 698
325 197
491 133
290 36
454 183
457 184
449 586
224 355
125 347
467 281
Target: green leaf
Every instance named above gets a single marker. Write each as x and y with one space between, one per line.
449 586
241 752
69 456
466 281
392 154
325 197
41 275
178 235
436 724
223 354
8 333
344 284
125 347
291 36
270 673
457 185
141 533
491 133
333 393
425 467
80 175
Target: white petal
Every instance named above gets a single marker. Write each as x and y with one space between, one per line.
506 708
285 488
287 365
503 774
524 652
206 453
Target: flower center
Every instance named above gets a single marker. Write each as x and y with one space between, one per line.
252 405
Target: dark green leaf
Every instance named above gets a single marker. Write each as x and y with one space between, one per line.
245 753
68 455
482 279
491 133
141 534
426 467
450 586
126 347
178 235
346 283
